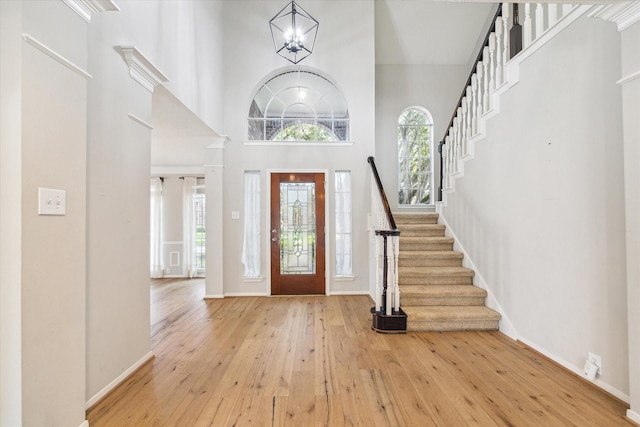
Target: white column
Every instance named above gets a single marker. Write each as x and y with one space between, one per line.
11 214
214 220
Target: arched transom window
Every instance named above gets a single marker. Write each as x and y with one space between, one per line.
415 166
298 105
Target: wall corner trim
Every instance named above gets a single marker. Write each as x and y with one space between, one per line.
87 8
141 69
622 14
55 56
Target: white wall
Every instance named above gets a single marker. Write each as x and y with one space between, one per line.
434 87
44 135
247 62
631 112
540 209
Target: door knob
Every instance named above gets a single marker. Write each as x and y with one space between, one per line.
274 231
274 239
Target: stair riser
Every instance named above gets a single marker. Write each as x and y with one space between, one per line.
453 325
452 301
425 246
426 262
431 280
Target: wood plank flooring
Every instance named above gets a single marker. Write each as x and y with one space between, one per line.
314 361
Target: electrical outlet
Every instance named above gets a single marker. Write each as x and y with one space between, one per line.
597 360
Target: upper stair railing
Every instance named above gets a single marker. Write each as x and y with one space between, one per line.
505 38
387 315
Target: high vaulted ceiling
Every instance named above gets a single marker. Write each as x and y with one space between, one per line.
429 32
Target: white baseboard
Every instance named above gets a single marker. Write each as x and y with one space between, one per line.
245 294
213 296
113 384
84 424
349 293
633 416
579 371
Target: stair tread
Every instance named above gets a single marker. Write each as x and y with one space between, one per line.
421 225
431 254
450 313
409 291
407 271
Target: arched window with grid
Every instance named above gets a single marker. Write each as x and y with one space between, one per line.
415 165
298 105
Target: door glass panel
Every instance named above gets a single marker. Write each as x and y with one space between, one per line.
297 228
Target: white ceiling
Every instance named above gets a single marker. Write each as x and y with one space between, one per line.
429 32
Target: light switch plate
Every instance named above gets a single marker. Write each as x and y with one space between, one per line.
52 202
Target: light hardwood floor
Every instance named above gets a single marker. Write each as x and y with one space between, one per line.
314 361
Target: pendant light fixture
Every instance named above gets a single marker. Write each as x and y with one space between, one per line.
293 32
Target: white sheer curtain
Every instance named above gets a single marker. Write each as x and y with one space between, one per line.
155 244
189 226
251 243
343 223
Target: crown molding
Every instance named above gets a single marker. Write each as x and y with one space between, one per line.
219 142
623 15
140 68
87 8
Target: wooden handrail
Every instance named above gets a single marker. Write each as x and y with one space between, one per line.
383 195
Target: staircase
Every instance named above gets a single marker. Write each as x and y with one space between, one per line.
436 291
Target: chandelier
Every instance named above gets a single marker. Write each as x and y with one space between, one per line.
293 32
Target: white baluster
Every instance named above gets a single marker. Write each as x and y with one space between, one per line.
396 254
463 132
553 14
499 61
480 73
526 27
470 112
539 20
506 13
474 104
445 163
492 62
485 80
459 135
